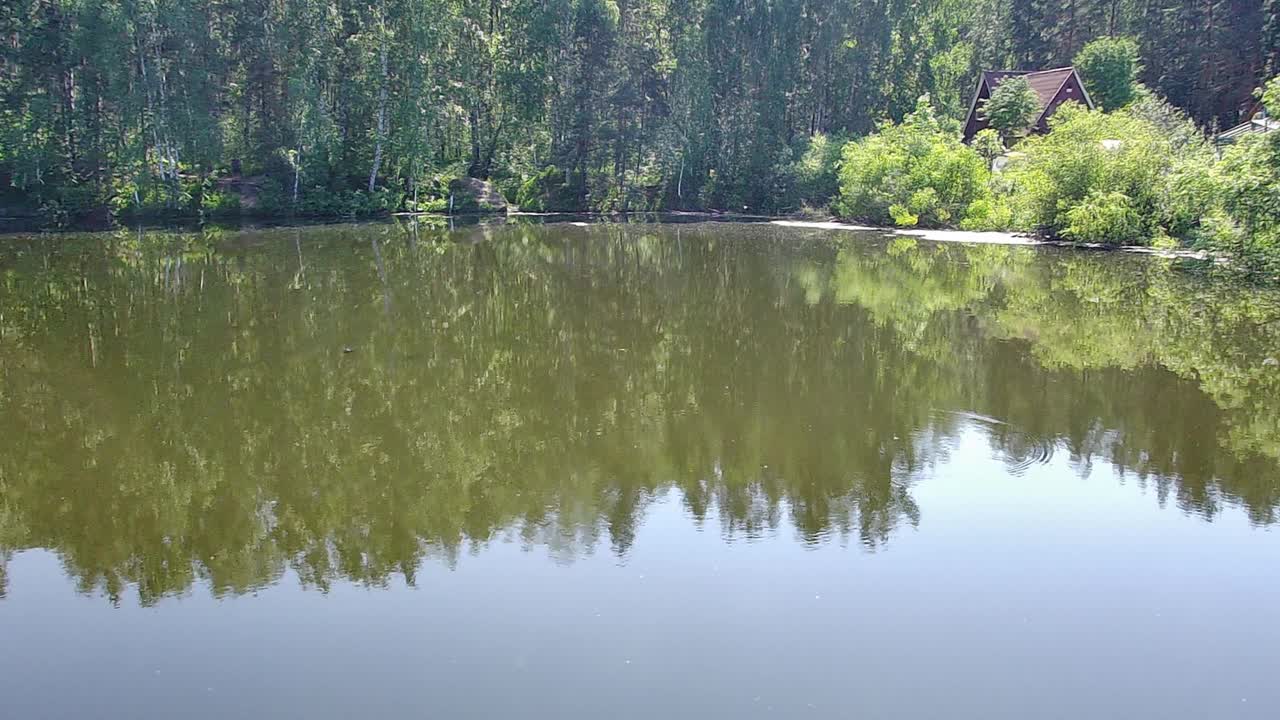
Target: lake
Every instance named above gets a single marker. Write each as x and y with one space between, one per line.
631 471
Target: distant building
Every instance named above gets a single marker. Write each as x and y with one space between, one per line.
1259 122
1053 87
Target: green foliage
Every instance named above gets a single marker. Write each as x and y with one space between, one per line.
1270 96
1105 217
902 217
220 204
992 213
1087 153
322 202
113 107
1183 134
1248 180
914 171
988 144
1109 69
1012 107
816 172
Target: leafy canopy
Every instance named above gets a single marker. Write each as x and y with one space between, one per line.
1270 94
1109 69
1012 107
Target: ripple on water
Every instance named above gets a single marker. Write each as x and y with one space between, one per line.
1019 449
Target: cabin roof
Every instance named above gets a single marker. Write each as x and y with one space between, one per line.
1047 84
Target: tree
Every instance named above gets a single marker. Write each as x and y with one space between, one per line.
1271 36
1109 68
1012 107
335 106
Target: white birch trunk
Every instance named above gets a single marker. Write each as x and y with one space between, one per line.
382 119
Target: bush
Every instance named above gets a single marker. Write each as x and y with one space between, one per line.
1086 153
322 202
1171 122
1106 217
911 172
988 144
272 198
988 214
220 204
1248 183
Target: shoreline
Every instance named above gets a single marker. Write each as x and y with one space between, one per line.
941 235
993 237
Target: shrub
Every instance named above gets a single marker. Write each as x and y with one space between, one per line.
1173 123
1190 192
902 217
987 214
988 144
1248 183
1270 96
220 204
1105 217
917 166
1088 152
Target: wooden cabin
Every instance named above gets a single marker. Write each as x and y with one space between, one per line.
1053 87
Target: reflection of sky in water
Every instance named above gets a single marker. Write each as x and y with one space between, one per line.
1045 589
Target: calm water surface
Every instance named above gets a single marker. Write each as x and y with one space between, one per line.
631 472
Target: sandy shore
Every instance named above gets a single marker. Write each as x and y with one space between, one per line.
995 238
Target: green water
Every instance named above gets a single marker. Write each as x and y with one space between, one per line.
631 471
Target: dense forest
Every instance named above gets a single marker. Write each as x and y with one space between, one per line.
135 107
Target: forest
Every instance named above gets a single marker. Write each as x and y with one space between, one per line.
151 108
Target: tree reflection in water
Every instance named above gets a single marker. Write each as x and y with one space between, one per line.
182 407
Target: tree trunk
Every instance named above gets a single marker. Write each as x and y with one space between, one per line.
382 119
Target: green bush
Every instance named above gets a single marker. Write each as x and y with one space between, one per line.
988 144
1248 184
220 204
1088 152
1106 217
323 202
1174 124
916 166
988 214
272 198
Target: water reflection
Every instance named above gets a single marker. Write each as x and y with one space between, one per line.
343 401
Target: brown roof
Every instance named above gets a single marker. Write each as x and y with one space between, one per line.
1046 83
